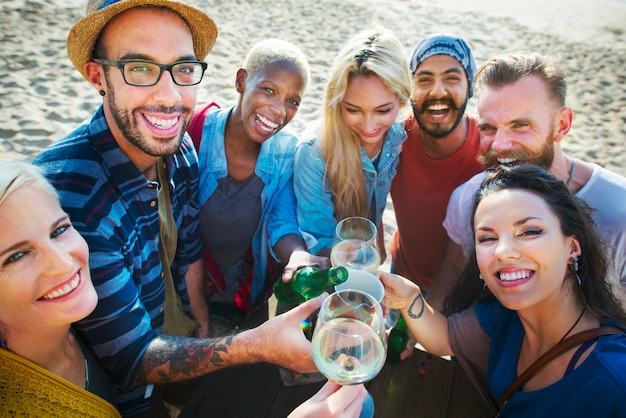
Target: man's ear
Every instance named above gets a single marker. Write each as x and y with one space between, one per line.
95 75
563 123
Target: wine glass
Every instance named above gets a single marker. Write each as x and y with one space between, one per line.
349 343
356 245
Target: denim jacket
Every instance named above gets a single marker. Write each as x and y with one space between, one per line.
315 203
275 168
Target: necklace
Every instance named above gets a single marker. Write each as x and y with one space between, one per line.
571 175
380 148
86 375
575 323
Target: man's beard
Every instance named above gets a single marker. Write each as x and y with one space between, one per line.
156 147
439 131
543 159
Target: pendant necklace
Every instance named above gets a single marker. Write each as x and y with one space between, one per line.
571 174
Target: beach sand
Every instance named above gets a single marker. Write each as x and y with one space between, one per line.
42 97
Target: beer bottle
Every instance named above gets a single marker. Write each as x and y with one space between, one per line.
307 283
397 341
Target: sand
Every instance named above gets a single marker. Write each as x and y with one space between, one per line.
42 97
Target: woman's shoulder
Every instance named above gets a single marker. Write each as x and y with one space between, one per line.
281 145
309 138
611 351
285 138
396 133
197 121
494 317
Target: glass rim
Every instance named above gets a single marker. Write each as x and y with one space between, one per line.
378 310
344 221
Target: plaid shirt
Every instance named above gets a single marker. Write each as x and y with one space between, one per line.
115 209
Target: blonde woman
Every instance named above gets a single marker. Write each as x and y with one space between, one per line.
45 368
345 162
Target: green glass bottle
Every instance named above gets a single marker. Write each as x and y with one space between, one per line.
307 283
397 341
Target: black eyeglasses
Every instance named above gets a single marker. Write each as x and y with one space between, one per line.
147 73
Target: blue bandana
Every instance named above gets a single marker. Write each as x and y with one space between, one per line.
447 45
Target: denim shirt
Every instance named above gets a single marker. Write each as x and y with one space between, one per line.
278 204
315 202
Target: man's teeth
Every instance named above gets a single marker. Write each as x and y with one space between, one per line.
506 161
162 123
438 107
268 122
64 291
507 277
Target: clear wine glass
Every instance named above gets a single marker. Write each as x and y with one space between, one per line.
356 245
349 344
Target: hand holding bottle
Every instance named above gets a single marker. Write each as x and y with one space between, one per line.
307 283
300 258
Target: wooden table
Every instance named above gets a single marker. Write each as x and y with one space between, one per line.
398 391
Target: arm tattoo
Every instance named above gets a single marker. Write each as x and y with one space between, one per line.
176 358
418 315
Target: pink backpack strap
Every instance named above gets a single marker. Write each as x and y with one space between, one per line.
197 122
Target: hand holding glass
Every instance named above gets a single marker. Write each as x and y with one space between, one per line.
349 344
356 245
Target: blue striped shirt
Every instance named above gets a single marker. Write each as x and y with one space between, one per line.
115 209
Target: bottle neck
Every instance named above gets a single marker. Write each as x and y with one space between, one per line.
337 275
401 325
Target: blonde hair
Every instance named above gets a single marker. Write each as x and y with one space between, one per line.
15 174
271 51
377 52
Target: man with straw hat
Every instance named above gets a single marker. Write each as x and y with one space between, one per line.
128 178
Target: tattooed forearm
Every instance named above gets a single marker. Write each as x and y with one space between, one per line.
170 359
419 298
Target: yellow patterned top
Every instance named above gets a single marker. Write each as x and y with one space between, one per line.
28 390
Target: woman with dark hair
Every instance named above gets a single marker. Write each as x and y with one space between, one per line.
542 267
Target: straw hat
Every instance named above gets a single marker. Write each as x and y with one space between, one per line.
83 35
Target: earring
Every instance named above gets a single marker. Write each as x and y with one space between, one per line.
3 342
480 276
574 268
102 93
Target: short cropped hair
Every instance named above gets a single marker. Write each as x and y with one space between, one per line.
271 51
503 70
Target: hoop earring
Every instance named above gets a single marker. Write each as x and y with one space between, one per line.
574 268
